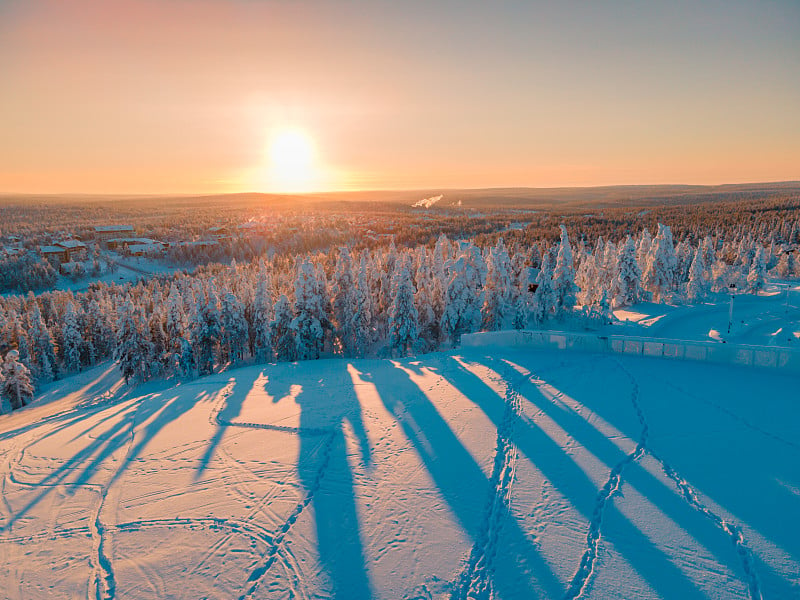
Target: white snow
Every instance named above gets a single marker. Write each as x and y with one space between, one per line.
501 472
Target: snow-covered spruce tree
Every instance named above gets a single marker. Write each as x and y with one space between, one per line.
698 286
525 307
643 247
233 339
206 330
587 279
757 276
133 351
545 294
462 304
101 329
497 310
403 316
344 301
184 359
361 320
17 387
42 349
629 276
660 271
564 276
610 270
684 254
176 314
160 357
423 300
283 336
307 324
786 265
262 317
71 349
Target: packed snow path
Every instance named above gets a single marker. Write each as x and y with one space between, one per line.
509 474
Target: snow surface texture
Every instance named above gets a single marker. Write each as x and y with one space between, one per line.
503 473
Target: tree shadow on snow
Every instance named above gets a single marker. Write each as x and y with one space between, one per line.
324 471
558 467
461 481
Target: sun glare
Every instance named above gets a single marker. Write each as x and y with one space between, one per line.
292 163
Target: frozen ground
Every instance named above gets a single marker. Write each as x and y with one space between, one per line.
511 475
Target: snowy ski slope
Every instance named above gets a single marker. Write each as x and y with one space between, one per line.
496 473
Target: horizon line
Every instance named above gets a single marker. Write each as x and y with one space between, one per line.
176 194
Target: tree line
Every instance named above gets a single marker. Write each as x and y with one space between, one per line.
382 301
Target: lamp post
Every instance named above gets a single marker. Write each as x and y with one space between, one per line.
731 291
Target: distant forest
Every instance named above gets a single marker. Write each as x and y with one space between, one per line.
383 280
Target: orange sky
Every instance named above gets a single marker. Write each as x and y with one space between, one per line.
191 96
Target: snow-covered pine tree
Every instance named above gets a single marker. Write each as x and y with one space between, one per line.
42 348
72 340
262 317
643 247
362 317
403 316
587 279
698 286
207 328
423 300
564 276
101 329
344 301
307 323
629 276
283 336
462 303
757 276
497 310
545 294
660 271
132 351
525 307
160 355
233 339
786 265
15 381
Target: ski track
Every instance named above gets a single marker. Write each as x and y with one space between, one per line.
273 552
102 580
475 581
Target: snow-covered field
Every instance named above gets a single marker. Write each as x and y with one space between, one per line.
771 318
502 473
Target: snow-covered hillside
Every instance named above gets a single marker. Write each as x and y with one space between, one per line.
510 474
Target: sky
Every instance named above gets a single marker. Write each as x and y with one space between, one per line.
207 96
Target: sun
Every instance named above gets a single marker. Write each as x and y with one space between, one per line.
292 162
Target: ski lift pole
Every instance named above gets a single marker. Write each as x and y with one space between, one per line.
732 291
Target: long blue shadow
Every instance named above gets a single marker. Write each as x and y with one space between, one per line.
324 471
462 482
573 483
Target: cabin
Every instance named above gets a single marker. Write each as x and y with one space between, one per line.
55 253
124 242
146 249
105 232
76 250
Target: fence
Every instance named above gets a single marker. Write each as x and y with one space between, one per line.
715 352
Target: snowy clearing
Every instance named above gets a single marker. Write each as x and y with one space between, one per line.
506 473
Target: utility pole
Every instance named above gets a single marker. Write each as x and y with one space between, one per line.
732 291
